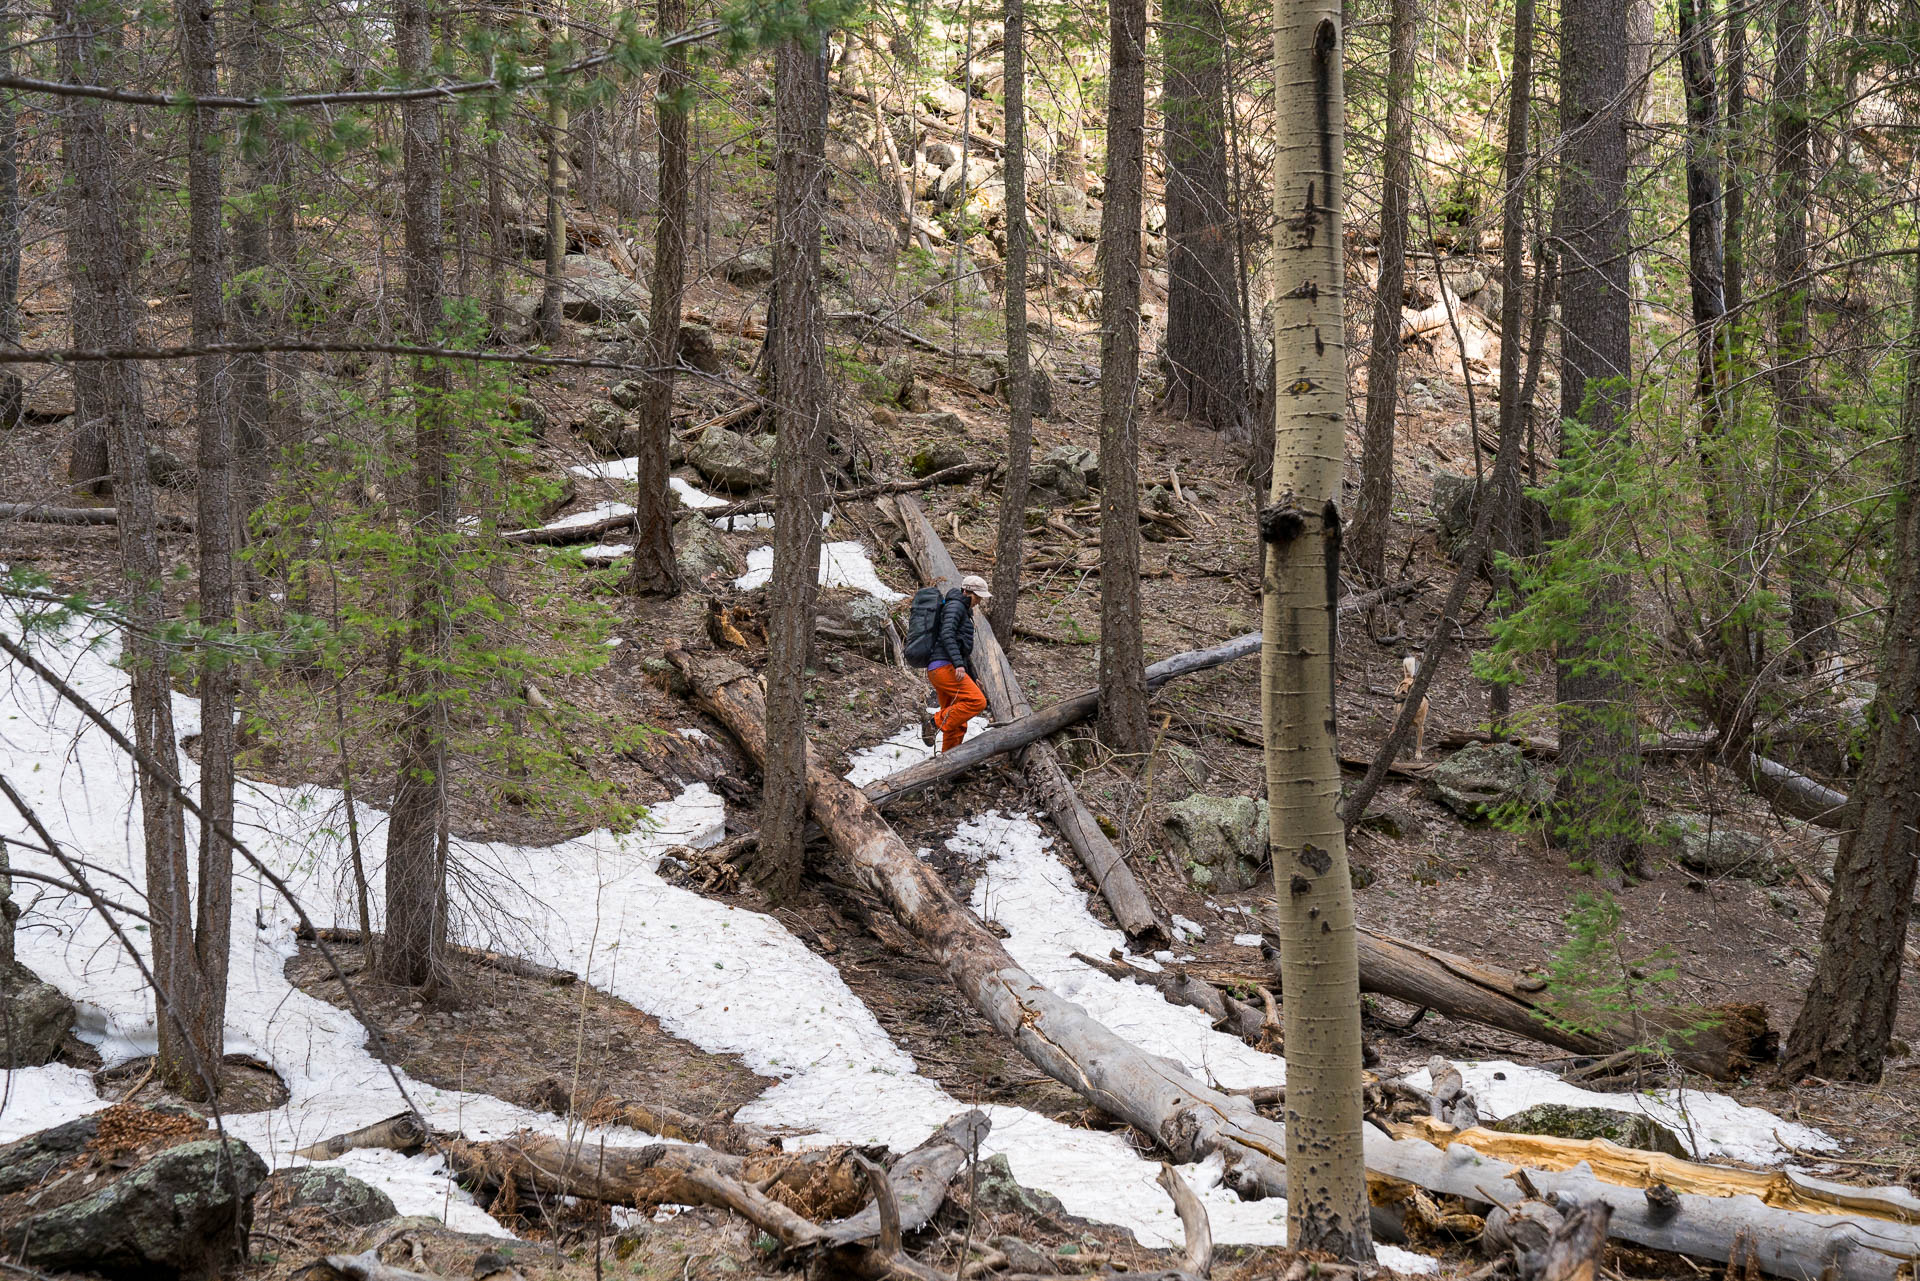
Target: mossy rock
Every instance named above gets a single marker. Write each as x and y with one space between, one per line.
1628 1129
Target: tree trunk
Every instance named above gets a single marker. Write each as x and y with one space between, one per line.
1326 1175
1597 809
1123 689
1368 536
1506 497
799 357
557 139
1843 1028
413 951
1008 547
205 1024
1206 375
12 399
106 305
1812 609
654 570
257 68
94 309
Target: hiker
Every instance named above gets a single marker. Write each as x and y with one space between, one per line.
944 641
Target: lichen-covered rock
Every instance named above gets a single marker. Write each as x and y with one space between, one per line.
1070 471
627 393
527 410
183 1213
699 552
1041 393
699 349
938 456
1455 499
1481 778
1391 820
594 291
754 267
1220 842
996 1191
603 429
730 460
332 1193
1712 848
37 1018
1628 1129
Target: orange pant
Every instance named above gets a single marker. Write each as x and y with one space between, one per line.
960 701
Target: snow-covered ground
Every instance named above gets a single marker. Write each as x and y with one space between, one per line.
725 979
841 565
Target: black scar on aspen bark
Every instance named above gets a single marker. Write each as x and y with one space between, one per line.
1281 523
1331 531
1326 45
1316 858
1299 885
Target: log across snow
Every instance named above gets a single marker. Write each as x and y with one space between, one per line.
727 980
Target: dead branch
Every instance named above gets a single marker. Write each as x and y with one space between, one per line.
42 514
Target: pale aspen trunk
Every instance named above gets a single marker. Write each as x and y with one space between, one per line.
557 176
1326 1171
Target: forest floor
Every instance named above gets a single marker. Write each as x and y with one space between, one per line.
1485 893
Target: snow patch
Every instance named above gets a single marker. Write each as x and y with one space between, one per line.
1712 1126
841 565
1246 940
903 751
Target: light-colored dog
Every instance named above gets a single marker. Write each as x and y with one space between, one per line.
1410 668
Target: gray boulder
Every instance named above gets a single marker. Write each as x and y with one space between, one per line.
1710 847
182 1213
1483 777
168 470
996 1191
1628 1129
1455 504
1069 470
698 348
527 410
603 429
698 551
858 622
594 291
754 267
1041 383
730 460
1069 210
37 1018
627 393
938 456
328 1193
1219 841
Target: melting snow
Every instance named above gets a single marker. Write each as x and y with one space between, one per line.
841 565
904 750
593 514
1712 1126
1246 940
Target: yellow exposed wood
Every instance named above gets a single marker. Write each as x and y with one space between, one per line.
1632 1168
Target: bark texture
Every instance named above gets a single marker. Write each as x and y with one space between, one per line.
1123 688
1597 809
205 1024
11 391
1326 1175
654 571
1844 1027
799 359
1206 368
1007 548
1367 540
416 908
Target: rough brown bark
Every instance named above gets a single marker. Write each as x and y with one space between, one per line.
205 1023
1206 367
416 909
101 256
1007 548
1123 700
12 402
1596 813
258 67
1052 789
1812 608
1844 1027
799 359
654 570
1367 539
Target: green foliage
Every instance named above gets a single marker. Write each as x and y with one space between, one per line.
1596 988
341 540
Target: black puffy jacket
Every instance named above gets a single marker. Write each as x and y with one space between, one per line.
953 636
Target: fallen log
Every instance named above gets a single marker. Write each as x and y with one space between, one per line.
958 474
1193 1121
480 956
1052 788
1181 988
365 1266
41 514
558 535
1048 721
1723 1042
402 1132
1796 794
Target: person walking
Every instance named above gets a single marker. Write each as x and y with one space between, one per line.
960 698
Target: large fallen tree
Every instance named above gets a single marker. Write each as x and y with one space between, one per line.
1051 786
1192 1121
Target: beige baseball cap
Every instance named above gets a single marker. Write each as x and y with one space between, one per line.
977 585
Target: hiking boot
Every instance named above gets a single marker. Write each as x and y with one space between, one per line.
928 730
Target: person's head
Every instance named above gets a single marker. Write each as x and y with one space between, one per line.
974 588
